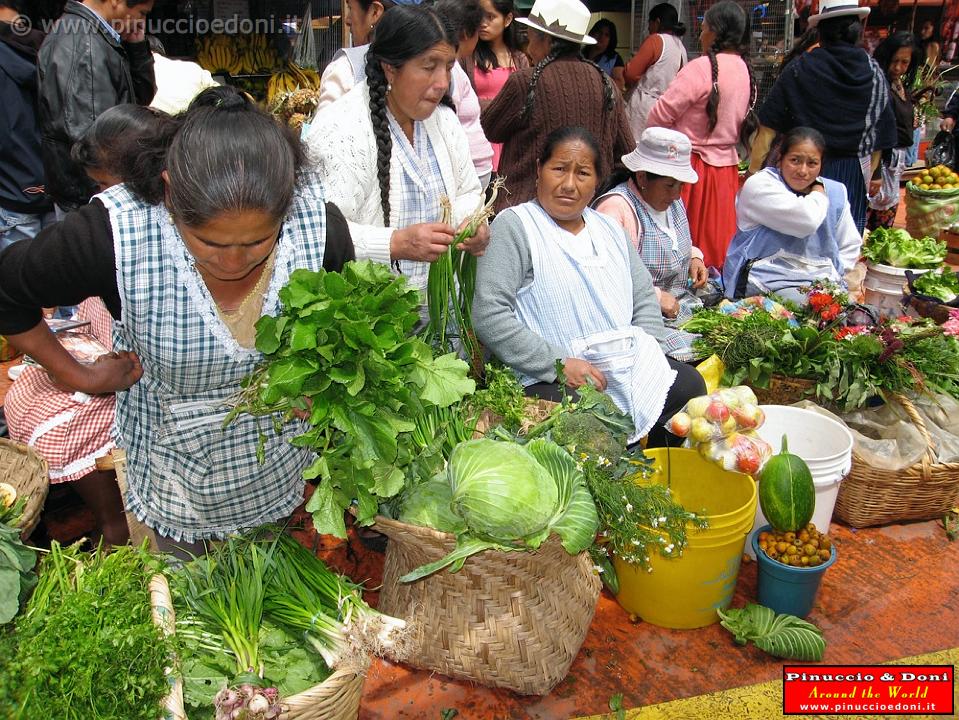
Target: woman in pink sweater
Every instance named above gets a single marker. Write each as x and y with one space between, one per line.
711 102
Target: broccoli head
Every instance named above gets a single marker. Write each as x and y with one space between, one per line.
586 433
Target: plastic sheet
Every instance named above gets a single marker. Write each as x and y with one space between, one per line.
884 437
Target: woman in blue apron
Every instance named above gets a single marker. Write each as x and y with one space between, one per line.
794 227
186 262
647 205
561 282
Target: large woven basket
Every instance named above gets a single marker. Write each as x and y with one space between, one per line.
874 496
336 698
784 390
514 620
24 469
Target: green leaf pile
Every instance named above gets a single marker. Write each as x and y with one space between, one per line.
342 351
942 284
16 572
896 247
782 636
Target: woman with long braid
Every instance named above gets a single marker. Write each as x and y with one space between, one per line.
391 148
562 89
711 102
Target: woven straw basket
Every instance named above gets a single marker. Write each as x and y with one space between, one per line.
507 619
873 496
24 469
336 698
783 390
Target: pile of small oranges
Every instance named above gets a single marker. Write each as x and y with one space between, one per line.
939 177
806 548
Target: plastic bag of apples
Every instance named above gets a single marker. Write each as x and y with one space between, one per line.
722 427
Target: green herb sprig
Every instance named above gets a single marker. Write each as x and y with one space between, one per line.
451 284
637 517
86 646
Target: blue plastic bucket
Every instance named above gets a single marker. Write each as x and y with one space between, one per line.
784 588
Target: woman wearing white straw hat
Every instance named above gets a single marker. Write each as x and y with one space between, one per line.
563 89
841 92
647 204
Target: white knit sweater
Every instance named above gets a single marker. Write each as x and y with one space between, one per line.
343 147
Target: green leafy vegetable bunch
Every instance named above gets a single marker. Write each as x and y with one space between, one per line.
942 284
896 247
341 352
17 578
86 645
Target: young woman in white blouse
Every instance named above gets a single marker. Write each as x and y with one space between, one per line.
794 227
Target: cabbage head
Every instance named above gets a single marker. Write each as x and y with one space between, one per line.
428 505
502 492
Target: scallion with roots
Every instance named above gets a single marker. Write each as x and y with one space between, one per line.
450 286
326 598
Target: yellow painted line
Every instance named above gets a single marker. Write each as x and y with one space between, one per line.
764 701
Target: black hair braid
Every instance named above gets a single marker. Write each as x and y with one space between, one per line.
608 101
531 94
750 123
712 104
376 79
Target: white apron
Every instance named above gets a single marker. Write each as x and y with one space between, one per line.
581 300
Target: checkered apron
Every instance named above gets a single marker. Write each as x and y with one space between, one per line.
189 477
668 262
583 305
70 430
420 192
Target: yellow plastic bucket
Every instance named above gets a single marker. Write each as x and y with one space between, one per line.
685 592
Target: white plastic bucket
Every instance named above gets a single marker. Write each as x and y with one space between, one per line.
885 277
884 286
826 446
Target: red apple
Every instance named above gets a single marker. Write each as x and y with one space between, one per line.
680 424
716 412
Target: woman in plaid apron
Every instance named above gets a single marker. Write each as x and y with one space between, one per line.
391 148
649 209
187 264
560 282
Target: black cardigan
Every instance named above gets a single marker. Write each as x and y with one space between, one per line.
74 259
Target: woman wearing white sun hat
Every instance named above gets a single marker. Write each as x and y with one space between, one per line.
563 89
838 90
647 205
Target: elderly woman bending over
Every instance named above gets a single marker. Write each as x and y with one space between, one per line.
561 282
649 209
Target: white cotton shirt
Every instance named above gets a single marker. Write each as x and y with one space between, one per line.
661 218
766 200
338 79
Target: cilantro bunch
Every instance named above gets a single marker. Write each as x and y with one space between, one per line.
342 354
